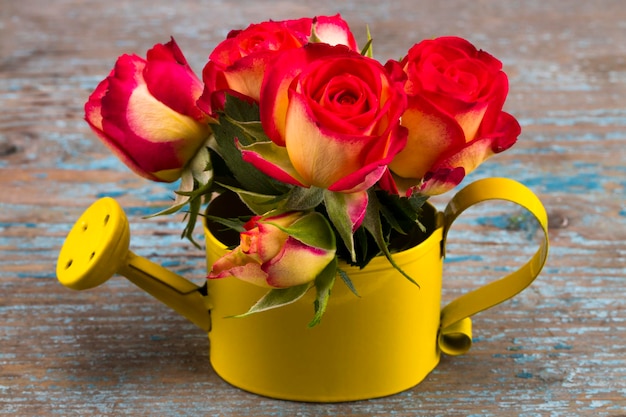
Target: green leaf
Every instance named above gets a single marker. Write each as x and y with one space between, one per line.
201 168
302 199
192 216
226 132
277 297
245 116
401 213
392 218
365 250
183 194
202 173
367 49
312 229
275 155
373 225
337 209
346 280
232 223
253 131
241 110
258 203
196 181
323 285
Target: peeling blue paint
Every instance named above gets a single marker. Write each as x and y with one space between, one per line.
597 117
518 221
464 258
112 194
515 348
508 355
42 275
141 211
562 346
572 183
7 225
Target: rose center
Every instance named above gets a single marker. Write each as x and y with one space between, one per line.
345 98
344 95
461 81
259 43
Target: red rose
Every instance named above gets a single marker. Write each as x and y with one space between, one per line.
237 65
454 116
333 118
145 112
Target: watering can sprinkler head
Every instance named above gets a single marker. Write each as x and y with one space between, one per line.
97 247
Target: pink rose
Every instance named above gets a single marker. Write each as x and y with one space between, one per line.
454 116
333 118
145 112
279 250
237 65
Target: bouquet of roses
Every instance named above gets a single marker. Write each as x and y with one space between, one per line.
333 153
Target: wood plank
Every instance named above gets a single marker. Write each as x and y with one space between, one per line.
558 349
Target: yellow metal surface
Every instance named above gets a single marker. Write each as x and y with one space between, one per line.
381 342
95 246
503 289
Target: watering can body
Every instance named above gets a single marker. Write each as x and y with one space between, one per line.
379 342
382 341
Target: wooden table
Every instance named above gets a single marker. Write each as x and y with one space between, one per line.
558 349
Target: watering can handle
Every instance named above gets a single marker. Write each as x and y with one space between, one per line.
455 336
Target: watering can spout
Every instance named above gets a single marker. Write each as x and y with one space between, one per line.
97 247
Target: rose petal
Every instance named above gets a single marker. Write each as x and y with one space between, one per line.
441 180
296 264
238 265
272 160
171 80
431 134
333 30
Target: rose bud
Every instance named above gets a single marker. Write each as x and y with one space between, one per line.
279 250
237 65
454 116
145 112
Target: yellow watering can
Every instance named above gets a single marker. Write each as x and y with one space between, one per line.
382 342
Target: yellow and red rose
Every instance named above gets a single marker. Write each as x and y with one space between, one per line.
237 65
333 119
454 116
145 112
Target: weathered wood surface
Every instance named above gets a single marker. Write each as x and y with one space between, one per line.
559 349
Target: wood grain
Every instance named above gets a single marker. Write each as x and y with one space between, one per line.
558 349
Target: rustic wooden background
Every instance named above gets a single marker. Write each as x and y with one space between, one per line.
559 349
